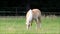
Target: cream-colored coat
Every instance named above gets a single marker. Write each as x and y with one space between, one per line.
34 14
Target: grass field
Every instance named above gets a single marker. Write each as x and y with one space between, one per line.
16 25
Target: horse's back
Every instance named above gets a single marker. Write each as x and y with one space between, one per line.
36 12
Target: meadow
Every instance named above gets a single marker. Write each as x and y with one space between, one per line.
16 25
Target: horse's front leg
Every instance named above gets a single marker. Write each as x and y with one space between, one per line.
28 25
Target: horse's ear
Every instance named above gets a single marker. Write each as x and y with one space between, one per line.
30 10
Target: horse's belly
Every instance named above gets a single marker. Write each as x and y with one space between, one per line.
35 17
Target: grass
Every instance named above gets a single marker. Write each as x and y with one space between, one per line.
16 25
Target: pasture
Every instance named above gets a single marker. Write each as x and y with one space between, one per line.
16 25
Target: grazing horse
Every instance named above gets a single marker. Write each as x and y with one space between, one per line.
34 14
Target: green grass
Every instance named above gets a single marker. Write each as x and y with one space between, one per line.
16 25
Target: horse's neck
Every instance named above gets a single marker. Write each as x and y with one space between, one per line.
30 15
30 11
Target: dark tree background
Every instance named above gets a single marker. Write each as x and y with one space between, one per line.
17 7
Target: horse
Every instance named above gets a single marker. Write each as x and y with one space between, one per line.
33 14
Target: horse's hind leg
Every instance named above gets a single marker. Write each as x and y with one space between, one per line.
38 23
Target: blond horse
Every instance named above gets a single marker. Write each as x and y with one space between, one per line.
34 14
